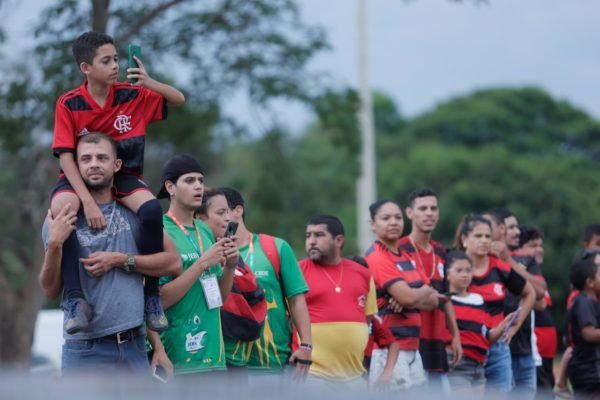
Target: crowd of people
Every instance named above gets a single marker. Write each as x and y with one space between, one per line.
193 294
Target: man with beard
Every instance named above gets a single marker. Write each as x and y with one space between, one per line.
429 257
110 272
341 297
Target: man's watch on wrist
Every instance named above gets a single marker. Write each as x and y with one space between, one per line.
129 265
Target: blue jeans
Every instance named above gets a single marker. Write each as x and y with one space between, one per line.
105 355
498 368
524 373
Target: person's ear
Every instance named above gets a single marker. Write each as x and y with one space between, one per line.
408 211
85 68
170 186
118 164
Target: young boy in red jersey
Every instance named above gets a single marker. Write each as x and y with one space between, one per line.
474 325
122 111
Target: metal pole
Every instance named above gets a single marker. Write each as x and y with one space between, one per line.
365 189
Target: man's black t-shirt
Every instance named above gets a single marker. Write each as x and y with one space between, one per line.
520 345
584 366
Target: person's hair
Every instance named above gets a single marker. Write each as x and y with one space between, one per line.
590 254
97 137
206 197
499 215
456 255
589 232
529 233
581 271
465 227
360 260
415 194
234 199
85 46
333 224
374 208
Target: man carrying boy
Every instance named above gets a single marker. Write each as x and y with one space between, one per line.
122 111
111 270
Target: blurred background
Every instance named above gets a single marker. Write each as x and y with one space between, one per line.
490 103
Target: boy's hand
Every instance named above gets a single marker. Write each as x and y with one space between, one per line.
93 216
139 74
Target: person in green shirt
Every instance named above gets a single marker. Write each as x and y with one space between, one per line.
284 290
192 300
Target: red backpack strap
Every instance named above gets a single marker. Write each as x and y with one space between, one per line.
269 246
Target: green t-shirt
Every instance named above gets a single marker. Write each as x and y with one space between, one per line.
271 350
194 341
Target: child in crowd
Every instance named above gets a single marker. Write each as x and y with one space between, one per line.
474 324
122 111
584 330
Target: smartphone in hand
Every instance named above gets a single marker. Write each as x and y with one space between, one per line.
134 50
231 229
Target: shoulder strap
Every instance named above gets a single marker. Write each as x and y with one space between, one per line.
269 246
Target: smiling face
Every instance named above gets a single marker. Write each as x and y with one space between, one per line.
535 247
217 215
105 65
424 214
388 223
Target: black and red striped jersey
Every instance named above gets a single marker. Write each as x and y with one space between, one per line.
388 268
431 265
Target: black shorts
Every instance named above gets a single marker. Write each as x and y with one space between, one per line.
123 186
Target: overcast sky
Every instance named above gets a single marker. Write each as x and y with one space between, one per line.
426 51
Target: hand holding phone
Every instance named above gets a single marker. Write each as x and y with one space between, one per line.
231 229
134 50
511 322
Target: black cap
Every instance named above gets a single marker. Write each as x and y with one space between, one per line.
178 165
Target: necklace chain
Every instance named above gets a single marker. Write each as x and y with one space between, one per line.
338 289
421 261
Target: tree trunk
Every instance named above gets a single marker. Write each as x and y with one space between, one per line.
100 15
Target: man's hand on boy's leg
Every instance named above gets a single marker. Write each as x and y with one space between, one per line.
61 226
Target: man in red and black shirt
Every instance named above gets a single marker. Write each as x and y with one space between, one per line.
429 258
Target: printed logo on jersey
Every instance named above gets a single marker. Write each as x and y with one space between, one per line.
440 268
83 132
498 289
362 300
261 273
123 123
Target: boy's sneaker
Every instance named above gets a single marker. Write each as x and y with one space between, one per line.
79 314
156 319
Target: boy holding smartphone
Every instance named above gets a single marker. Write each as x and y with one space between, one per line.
122 111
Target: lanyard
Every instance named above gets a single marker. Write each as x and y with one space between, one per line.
200 250
250 251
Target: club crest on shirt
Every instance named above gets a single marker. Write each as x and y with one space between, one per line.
498 289
362 300
123 123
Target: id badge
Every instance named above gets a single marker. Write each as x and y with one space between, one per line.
212 292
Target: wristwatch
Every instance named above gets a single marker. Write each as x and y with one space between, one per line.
129 266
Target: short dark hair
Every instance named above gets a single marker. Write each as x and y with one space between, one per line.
581 271
333 223
529 233
456 255
208 194
97 137
234 198
85 46
374 207
589 232
499 215
415 194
